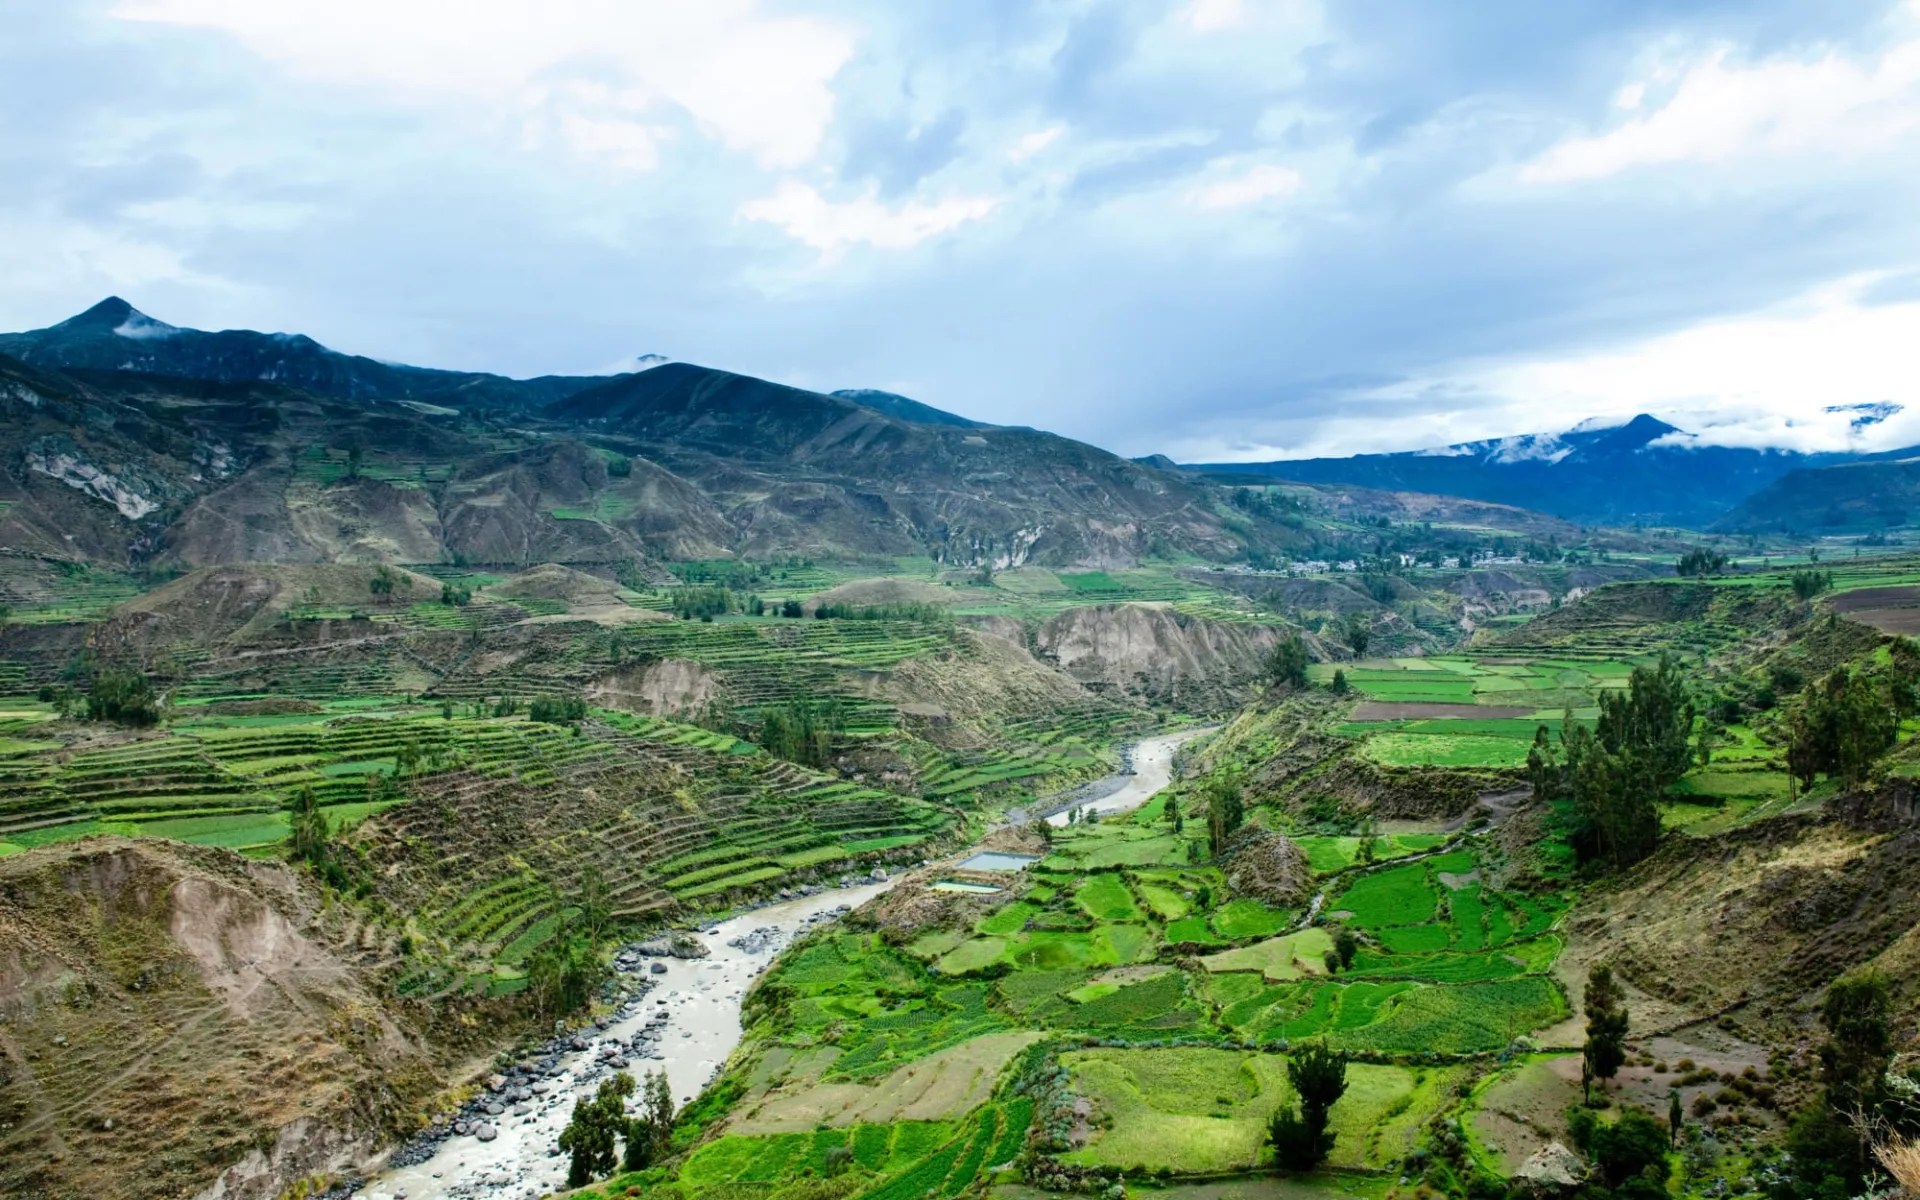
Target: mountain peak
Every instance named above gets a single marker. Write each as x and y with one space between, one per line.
116 316
105 315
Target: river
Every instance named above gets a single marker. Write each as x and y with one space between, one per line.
1152 769
701 998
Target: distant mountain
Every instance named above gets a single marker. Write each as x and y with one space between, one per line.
1645 471
115 336
906 409
1871 494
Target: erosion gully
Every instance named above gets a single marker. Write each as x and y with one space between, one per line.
690 1012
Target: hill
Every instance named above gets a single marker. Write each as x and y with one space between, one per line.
1847 498
906 409
1643 472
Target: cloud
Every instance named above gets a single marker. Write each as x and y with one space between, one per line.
1260 183
1719 110
832 228
1034 143
600 71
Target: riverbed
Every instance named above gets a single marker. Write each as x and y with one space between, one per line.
1152 769
701 998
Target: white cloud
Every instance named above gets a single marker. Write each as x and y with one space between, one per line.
598 74
833 228
1761 379
1260 183
1210 15
1034 143
1718 111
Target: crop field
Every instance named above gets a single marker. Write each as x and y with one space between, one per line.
1205 1111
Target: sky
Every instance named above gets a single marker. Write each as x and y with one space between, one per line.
1223 230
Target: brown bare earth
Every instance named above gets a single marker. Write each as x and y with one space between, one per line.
1380 710
1897 621
1881 597
171 1017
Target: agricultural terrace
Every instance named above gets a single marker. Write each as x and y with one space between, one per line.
1121 973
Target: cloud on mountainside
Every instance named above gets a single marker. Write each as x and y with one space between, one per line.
1218 228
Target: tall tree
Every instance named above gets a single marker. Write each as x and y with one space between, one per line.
1287 662
592 1135
1606 1048
1301 1139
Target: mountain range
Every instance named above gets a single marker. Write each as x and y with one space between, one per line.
1644 472
128 439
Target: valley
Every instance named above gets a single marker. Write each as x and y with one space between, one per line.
989 814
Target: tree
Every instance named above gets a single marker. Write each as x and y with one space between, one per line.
1225 812
1840 726
1358 633
1300 1137
356 456
310 834
1700 561
1808 584
596 905
562 975
382 583
1339 686
1676 1117
1615 772
1859 1047
657 1114
1345 945
1606 1048
1628 1147
590 1137
125 697
1287 662
557 710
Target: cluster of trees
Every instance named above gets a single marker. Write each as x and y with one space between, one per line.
1841 724
1808 584
121 695
1615 772
387 583
701 603
601 1134
909 611
562 975
456 595
802 731
1339 957
1864 1106
1300 1134
311 842
1700 560
558 710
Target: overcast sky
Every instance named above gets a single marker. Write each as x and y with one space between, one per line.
1218 229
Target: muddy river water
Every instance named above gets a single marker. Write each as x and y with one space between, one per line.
701 998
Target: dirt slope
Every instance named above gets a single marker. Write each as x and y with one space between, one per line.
1157 653
168 1013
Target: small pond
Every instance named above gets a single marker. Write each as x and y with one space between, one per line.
994 860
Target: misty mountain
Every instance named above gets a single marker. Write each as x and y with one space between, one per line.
1645 471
